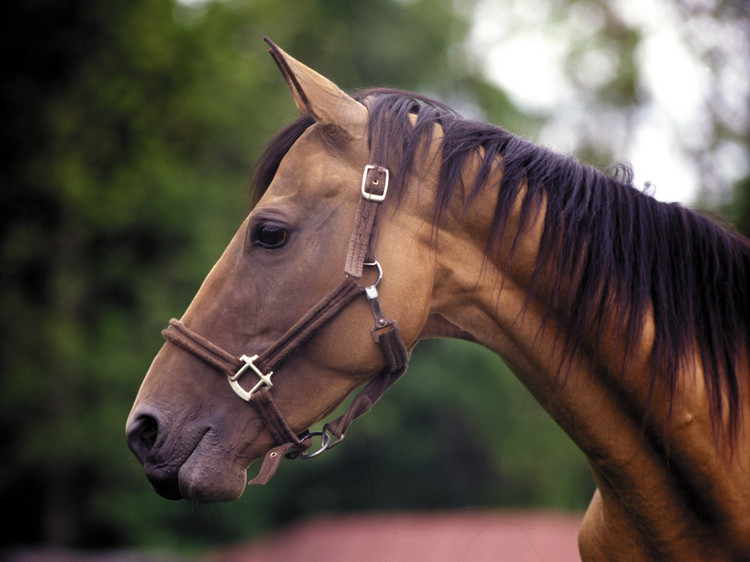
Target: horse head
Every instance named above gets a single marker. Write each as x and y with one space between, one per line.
308 263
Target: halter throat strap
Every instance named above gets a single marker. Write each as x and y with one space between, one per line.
385 333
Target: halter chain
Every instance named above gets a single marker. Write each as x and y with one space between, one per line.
385 333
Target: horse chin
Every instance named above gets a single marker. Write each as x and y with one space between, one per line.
210 479
202 478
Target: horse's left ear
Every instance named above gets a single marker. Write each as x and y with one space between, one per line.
318 96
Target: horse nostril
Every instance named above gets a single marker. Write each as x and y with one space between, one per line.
149 430
142 433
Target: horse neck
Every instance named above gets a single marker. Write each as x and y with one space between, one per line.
499 296
634 439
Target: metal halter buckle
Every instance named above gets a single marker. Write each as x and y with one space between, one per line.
265 380
378 198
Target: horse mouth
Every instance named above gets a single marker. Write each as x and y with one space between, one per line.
202 469
168 488
164 477
200 480
198 461
208 474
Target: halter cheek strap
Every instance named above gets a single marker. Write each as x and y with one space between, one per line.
385 333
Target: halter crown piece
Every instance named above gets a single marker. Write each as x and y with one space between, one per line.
385 333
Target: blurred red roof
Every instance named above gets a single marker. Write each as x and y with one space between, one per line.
412 537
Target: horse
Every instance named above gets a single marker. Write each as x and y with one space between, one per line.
384 217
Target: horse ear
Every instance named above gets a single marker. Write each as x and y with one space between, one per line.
318 96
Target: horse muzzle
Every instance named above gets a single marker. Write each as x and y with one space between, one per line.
198 466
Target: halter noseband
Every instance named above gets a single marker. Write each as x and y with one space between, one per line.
385 333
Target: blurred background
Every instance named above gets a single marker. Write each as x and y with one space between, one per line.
129 131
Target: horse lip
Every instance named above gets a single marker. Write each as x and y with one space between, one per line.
165 478
167 488
164 481
213 472
195 464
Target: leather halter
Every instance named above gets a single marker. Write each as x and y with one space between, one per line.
385 333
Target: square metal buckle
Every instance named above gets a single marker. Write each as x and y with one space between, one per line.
265 380
378 198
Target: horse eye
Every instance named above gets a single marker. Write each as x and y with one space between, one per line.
270 236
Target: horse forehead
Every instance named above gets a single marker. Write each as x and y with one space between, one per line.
313 168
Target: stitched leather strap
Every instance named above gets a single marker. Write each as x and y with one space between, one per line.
363 238
305 327
198 346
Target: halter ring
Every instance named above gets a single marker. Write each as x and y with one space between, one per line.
375 263
327 441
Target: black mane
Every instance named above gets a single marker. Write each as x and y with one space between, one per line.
608 242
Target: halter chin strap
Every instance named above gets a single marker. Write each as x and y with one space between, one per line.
385 333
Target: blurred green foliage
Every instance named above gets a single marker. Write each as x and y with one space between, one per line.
130 129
